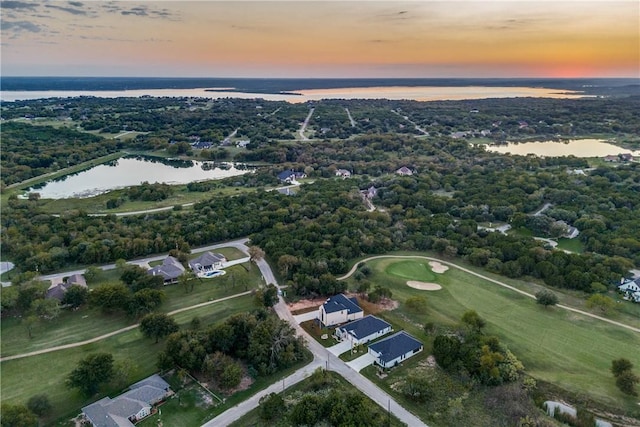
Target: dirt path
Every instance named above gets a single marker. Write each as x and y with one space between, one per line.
119 331
504 285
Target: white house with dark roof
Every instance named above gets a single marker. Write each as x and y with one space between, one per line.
208 261
339 309
631 289
170 270
363 330
343 173
397 348
129 407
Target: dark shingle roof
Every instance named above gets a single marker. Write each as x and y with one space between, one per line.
286 175
366 326
341 302
395 346
207 259
170 269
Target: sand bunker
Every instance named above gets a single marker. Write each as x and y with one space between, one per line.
424 286
436 267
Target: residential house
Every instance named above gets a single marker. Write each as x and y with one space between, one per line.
570 231
363 330
58 290
626 157
343 173
611 158
202 145
170 270
131 406
339 309
630 286
290 176
207 261
370 192
243 143
395 349
404 171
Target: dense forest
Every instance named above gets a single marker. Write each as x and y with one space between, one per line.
312 236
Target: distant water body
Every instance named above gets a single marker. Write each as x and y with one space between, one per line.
416 93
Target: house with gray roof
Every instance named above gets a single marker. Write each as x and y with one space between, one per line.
391 351
363 330
170 270
404 171
129 407
207 261
339 309
58 290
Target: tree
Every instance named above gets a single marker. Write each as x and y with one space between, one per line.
145 301
601 302
110 297
546 298
267 296
47 309
473 320
446 350
39 405
17 416
626 382
75 296
618 366
186 280
271 406
157 325
92 273
91 372
255 253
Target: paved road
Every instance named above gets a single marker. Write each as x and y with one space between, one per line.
353 123
304 126
321 357
239 244
504 285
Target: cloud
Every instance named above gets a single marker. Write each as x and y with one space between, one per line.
70 10
137 11
10 4
20 26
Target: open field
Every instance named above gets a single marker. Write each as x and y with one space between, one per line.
564 348
23 378
571 245
86 323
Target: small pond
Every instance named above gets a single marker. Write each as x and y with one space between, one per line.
134 170
575 147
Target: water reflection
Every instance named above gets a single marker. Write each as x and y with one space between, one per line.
134 170
576 147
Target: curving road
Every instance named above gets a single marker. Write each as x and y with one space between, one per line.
321 358
497 282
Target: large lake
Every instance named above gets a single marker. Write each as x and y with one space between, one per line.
130 171
418 93
576 147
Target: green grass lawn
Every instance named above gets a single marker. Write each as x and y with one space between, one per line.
411 270
86 323
567 349
571 245
23 378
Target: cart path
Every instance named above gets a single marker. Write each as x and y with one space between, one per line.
119 331
497 282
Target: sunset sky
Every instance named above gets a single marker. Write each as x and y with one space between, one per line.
508 38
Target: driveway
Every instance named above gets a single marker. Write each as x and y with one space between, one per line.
361 362
340 348
306 316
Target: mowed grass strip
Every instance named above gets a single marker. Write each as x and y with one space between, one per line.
570 350
86 323
46 373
